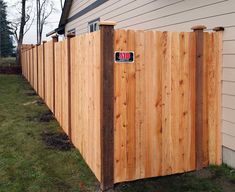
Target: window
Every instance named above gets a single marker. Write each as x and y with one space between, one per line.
94 25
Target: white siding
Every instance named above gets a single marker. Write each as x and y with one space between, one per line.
175 15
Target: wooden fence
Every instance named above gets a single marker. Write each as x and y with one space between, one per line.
157 116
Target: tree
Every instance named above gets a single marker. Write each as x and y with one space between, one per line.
22 22
61 4
6 45
44 9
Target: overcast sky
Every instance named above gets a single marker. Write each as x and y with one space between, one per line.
30 36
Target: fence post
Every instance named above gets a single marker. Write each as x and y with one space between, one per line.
69 36
54 40
199 94
107 104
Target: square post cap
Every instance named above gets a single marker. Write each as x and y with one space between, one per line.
70 35
107 23
199 27
217 29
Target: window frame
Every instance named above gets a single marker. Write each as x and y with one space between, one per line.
93 25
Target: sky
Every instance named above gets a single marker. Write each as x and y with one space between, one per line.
31 36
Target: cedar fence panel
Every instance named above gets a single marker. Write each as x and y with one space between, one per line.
155 102
85 98
154 109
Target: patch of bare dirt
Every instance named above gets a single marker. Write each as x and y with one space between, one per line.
46 117
42 117
40 102
59 141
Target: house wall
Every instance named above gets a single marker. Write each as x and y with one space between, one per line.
176 15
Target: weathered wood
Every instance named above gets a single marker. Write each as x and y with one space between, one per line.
107 106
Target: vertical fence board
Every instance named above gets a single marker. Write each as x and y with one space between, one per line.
120 110
49 74
35 68
40 71
166 105
139 101
58 82
175 115
214 47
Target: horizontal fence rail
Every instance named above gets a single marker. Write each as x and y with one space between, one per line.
163 109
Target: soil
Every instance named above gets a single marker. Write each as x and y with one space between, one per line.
46 117
42 117
40 102
59 141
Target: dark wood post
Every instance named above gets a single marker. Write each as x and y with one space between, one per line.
199 94
54 40
218 29
107 104
69 36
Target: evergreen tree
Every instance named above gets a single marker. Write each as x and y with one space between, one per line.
6 45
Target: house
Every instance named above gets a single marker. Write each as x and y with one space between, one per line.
83 16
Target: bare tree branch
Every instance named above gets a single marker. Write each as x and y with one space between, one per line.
44 9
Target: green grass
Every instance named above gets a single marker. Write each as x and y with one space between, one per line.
25 162
7 61
26 165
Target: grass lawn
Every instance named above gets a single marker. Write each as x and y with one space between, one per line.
7 61
27 164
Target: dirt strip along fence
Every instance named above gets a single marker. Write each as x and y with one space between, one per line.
157 116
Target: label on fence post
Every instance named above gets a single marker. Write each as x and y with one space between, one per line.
124 57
